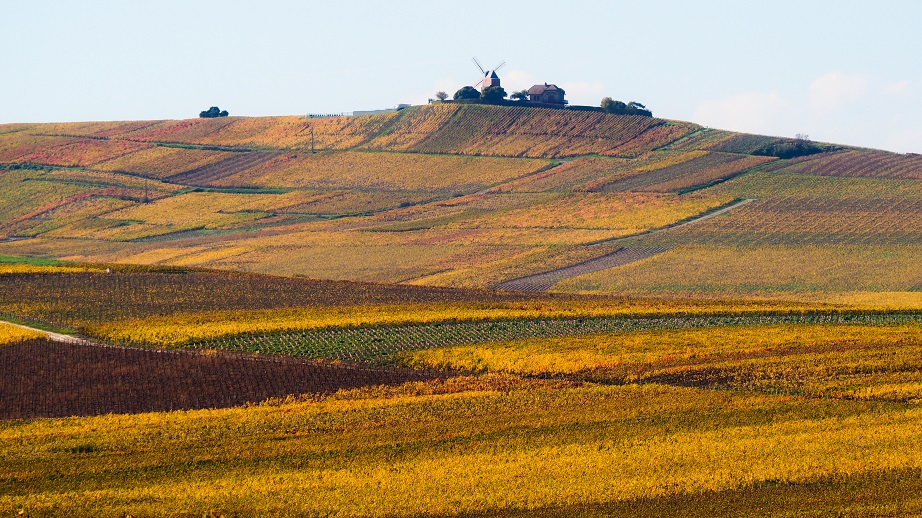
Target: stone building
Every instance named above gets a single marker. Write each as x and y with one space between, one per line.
547 94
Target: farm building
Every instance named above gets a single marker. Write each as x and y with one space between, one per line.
548 94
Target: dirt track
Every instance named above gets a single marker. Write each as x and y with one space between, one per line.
544 281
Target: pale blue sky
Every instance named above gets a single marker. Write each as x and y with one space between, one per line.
842 71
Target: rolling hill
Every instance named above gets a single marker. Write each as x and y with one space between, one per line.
689 321
474 196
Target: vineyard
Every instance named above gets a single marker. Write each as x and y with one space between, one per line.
45 379
175 307
456 310
862 164
11 334
210 173
798 220
138 292
543 281
785 272
447 194
781 356
525 132
635 409
695 173
65 151
382 171
162 161
381 345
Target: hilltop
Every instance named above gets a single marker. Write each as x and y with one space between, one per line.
474 196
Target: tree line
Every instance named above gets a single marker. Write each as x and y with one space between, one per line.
496 94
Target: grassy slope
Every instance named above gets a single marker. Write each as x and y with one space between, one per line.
420 197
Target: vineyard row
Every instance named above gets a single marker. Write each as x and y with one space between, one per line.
378 345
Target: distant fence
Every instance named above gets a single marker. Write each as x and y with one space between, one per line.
328 115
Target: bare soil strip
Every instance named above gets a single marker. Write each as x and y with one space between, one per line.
58 379
543 281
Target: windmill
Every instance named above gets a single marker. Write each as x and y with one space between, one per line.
489 76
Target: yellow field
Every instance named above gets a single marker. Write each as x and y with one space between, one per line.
702 270
638 354
383 171
622 213
7 268
516 446
880 299
11 334
180 328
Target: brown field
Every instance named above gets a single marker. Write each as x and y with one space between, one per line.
77 299
857 163
50 379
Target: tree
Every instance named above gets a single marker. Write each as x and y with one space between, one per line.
493 94
610 105
786 148
521 95
440 95
635 108
467 92
213 112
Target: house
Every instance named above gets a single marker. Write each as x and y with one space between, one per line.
546 94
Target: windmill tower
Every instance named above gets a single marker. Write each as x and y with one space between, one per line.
489 76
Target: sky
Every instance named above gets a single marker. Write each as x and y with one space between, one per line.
840 71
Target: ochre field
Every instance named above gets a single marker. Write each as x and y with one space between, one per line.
705 323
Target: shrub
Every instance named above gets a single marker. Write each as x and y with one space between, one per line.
492 94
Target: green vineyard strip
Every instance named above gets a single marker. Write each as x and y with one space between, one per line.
378 345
